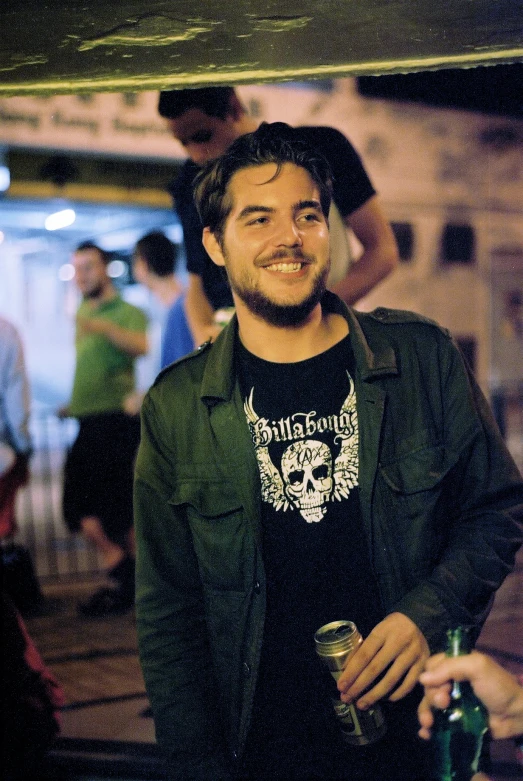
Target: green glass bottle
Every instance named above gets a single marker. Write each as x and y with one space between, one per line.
457 734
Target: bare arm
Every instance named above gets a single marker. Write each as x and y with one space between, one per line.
380 252
496 688
132 342
199 311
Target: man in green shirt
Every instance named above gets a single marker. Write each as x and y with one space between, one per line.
110 335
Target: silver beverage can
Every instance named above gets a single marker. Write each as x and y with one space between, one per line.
335 642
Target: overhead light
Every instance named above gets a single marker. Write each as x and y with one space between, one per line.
61 219
116 268
66 272
174 233
5 178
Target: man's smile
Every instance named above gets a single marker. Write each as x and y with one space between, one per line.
285 267
285 262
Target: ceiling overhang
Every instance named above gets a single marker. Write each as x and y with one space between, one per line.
58 47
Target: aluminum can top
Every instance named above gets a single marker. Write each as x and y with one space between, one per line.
337 637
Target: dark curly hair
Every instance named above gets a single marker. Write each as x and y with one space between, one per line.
213 101
271 143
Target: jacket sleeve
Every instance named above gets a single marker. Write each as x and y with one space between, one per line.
172 633
480 525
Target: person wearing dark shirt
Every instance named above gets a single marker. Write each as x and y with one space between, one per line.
206 121
280 484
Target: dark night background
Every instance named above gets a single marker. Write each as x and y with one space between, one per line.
496 89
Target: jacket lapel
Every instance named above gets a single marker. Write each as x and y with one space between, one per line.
221 394
374 359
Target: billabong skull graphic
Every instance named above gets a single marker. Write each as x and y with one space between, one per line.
311 476
307 473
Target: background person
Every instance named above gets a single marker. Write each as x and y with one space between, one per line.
154 266
18 576
206 121
30 702
280 485
97 500
15 439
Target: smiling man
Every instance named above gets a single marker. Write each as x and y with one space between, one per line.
206 122
286 239
280 485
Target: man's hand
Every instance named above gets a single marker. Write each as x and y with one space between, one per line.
93 325
132 342
395 647
132 403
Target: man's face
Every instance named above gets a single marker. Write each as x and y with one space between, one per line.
275 244
90 273
139 268
203 137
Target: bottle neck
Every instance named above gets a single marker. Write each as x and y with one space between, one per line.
458 643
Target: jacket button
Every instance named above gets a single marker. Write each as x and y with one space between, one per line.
246 669
257 587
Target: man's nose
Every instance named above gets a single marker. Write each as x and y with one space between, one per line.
288 234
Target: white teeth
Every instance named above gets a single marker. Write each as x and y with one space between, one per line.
285 267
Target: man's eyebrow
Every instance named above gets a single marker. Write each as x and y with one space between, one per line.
311 204
253 209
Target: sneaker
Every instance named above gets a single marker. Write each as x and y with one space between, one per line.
106 602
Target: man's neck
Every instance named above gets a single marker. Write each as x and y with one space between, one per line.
321 331
166 289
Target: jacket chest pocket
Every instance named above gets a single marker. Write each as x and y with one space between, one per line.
411 491
220 532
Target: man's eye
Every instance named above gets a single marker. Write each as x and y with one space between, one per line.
309 217
258 221
202 137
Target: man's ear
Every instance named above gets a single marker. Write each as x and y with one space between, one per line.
212 247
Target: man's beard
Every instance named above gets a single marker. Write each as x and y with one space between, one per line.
281 315
94 292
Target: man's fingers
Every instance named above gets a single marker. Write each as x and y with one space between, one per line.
398 681
407 684
363 666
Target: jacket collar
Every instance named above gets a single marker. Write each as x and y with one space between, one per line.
374 355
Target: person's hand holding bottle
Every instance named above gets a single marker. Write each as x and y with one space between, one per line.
499 691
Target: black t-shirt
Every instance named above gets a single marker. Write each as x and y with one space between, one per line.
303 422
352 188
304 427
214 278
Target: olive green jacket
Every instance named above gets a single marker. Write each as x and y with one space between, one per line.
439 495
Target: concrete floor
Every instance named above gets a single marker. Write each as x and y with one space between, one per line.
106 731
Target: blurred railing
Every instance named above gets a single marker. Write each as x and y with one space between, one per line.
56 553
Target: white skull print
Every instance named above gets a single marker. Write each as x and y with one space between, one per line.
307 473
310 477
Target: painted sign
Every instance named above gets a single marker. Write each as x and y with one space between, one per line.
122 124
128 123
